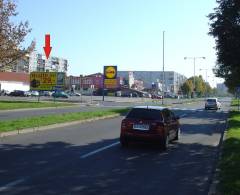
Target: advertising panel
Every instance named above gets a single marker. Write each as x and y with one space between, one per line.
47 81
110 77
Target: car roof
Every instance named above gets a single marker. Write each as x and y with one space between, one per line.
211 98
151 107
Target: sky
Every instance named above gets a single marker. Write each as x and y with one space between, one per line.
128 33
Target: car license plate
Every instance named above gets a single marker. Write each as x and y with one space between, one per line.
143 127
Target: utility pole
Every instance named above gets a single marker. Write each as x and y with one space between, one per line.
194 59
163 74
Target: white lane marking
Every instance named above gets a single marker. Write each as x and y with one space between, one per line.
99 150
11 184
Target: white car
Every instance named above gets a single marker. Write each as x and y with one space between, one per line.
212 103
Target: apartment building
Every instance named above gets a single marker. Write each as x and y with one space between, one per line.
172 80
38 62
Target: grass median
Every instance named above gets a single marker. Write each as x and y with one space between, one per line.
11 105
230 161
32 122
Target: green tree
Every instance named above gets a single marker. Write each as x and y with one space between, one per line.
11 35
187 87
225 28
199 85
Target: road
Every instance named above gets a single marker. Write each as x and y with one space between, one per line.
88 159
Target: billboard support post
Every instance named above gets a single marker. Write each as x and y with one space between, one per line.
38 96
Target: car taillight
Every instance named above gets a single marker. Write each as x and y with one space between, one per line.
159 127
126 124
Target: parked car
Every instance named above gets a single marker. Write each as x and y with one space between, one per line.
45 93
156 96
60 94
34 93
5 92
27 93
73 93
150 124
17 93
212 103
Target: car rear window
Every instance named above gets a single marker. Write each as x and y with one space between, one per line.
211 100
145 114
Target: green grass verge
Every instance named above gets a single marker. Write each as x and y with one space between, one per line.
10 125
11 105
234 103
230 162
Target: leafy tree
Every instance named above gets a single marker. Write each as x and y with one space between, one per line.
187 87
11 35
225 28
201 87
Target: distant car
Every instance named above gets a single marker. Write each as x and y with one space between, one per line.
27 93
60 94
5 92
45 93
34 93
212 103
150 124
17 93
156 96
73 93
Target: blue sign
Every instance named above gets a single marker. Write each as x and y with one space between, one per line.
238 89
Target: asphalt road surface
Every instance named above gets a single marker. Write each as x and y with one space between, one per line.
88 159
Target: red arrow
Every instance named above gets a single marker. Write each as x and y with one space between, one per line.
47 47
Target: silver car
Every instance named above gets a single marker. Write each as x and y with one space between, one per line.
212 103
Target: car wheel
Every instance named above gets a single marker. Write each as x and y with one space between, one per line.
177 134
165 143
124 143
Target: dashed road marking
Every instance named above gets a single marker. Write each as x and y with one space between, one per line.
11 184
99 150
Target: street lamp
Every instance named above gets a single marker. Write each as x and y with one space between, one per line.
194 59
205 72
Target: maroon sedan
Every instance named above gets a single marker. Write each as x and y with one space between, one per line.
150 124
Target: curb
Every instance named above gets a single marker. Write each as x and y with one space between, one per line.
49 127
215 181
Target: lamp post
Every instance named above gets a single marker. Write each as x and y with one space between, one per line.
205 72
163 74
194 59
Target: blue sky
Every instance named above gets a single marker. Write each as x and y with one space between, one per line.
126 33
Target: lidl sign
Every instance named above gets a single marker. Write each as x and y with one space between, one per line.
110 72
47 81
110 76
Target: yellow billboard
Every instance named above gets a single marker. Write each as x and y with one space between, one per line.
47 81
110 77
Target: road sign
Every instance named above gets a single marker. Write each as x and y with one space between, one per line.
47 81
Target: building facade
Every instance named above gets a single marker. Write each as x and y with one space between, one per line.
39 63
35 62
172 80
221 87
11 81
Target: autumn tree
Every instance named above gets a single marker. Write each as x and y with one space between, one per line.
187 87
225 28
201 87
11 35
